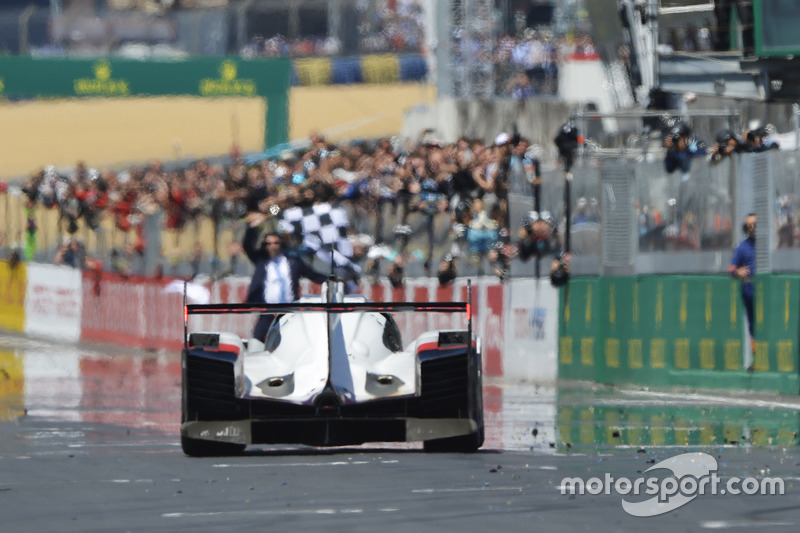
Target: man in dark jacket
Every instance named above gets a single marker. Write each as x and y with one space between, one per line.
276 278
743 267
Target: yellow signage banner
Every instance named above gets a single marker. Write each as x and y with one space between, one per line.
13 283
102 84
228 84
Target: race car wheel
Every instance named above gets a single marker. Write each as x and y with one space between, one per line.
473 441
206 448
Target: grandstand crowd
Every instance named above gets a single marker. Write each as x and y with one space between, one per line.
390 26
386 186
420 182
526 64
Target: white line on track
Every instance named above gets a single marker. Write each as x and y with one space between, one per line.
467 489
725 524
281 512
330 463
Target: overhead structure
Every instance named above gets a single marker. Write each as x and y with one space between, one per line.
674 46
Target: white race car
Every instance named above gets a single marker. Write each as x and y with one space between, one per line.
332 371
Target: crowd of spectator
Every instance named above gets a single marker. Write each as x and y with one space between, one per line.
386 26
526 63
423 182
529 61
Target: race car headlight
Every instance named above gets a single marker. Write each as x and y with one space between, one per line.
382 384
277 386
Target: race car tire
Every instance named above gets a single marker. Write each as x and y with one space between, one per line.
206 448
471 442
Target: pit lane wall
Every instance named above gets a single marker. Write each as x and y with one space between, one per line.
679 331
517 320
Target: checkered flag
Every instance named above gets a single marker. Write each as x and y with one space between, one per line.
323 229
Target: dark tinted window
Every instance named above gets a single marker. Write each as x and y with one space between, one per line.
273 339
391 334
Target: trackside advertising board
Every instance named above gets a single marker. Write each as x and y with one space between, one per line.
531 327
53 302
12 295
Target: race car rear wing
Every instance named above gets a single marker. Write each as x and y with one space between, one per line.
327 307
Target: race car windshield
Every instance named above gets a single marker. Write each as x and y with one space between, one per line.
391 334
273 339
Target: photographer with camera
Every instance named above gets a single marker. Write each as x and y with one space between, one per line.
538 236
448 270
681 149
559 270
727 145
756 140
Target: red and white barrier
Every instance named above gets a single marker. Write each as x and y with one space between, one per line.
517 321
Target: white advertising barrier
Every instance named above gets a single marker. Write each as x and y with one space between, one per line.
52 382
53 302
531 347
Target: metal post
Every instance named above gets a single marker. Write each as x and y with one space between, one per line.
185 318
567 209
335 19
294 19
241 24
652 21
537 206
469 313
24 29
796 124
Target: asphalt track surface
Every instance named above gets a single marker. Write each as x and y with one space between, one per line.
92 445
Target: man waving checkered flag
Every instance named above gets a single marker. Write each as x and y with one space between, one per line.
323 230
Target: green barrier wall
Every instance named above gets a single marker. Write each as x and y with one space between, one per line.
679 331
579 334
199 76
